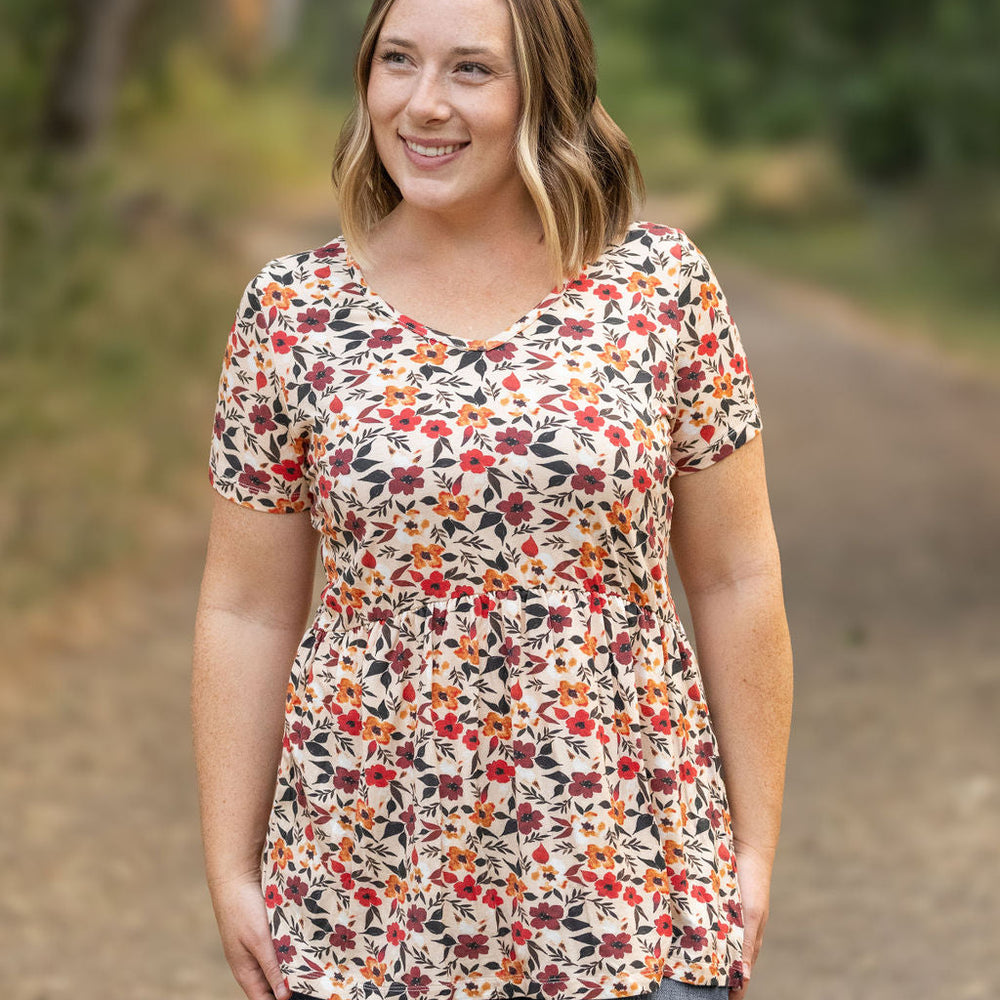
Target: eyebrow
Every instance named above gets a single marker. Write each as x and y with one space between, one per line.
458 50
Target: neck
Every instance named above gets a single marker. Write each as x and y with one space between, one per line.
454 234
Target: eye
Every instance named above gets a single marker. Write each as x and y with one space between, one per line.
472 68
392 57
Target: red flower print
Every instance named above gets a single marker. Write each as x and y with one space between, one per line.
690 377
546 916
738 363
436 428
661 722
581 724
339 461
734 912
516 509
559 618
672 314
585 784
617 436
313 319
499 770
577 329
687 772
679 881
641 480
607 292
350 722
523 753
394 934
405 420
436 585
282 343
512 440
260 416
331 250
379 776
709 344
474 460
367 896
664 925
412 324
255 480
694 938
519 933
705 753
723 452
220 425
714 815
295 889
346 780
449 727
629 768
289 468
639 324
588 480
589 418
615 945
468 888
406 480
529 819
699 893
298 733
608 886
655 229
272 897
621 649
581 284
472 945
385 340
284 949
661 375
320 376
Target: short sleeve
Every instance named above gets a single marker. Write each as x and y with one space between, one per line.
258 450
716 408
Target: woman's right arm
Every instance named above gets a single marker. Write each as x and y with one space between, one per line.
256 595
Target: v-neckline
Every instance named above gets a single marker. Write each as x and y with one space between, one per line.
432 334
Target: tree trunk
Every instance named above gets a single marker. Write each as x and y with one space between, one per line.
82 92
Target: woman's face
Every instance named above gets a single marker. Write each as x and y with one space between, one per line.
444 101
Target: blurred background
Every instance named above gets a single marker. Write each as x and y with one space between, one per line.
838 162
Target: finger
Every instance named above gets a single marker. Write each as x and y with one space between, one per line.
263 951
252 981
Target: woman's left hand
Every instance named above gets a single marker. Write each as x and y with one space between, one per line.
753 872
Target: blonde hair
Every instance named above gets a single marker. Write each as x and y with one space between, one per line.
577 164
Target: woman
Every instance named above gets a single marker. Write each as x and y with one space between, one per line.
486 765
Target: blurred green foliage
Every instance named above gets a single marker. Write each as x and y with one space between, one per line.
855 142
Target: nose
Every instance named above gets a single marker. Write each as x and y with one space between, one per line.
429 97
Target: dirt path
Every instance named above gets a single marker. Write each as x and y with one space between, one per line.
883 477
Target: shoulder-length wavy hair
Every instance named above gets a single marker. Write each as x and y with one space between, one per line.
578 165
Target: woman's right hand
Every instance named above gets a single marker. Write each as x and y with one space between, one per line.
246 937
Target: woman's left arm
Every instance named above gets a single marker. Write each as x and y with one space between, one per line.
726 552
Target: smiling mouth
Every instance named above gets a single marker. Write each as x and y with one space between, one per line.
433 150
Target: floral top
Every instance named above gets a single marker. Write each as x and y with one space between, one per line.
498 773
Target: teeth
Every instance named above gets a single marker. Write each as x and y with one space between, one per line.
431 150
